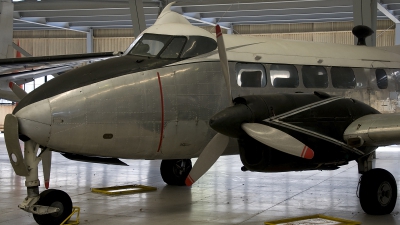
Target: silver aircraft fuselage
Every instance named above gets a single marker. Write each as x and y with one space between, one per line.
163 113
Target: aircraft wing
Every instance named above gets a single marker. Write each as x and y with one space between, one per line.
24 70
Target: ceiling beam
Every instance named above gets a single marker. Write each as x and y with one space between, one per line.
42 21
76 5
389 13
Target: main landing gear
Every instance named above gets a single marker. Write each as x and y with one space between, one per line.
378 192
175 171
378 188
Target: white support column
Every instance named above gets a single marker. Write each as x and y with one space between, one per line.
365 13
397 35
137 16
6 29
89 41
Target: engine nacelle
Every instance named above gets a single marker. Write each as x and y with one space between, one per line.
256 108
329 119
374 130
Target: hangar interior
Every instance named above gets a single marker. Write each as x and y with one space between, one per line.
225 194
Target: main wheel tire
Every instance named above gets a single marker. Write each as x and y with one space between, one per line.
175 171
55 198
378 192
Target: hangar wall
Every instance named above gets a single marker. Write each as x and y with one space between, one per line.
56 42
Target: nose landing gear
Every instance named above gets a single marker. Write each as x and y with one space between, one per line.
49 207
54 199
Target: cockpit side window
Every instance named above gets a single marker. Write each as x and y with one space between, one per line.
150 45
174 48
198 45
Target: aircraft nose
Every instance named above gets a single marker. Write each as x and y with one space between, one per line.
34 121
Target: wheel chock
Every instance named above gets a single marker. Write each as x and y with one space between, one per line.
314 219
126 189
68 220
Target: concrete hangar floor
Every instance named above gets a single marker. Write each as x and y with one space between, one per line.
225 195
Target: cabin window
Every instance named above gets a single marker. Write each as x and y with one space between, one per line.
284 76
250 75
198 45
315 77
174 48
381 79
343 77
150 45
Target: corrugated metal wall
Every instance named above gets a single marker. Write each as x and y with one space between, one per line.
305 27
112 44
56 42
60 46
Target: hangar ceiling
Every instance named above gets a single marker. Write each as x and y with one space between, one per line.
83 15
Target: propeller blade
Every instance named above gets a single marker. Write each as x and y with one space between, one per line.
46 163
278 139
224 59
207 158
18 91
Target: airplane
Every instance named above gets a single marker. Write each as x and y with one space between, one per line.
179 92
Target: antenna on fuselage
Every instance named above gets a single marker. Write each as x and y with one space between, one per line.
362 32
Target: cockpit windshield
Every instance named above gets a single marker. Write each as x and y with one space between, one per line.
172 47
150 45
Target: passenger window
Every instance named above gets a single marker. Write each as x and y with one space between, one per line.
381 79
250 75
174 48
198 45
284 76
343 77
315 77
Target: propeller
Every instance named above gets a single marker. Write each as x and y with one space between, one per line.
265 134
219 142
45 155
207 158
278 139
46 163
18 91
224 60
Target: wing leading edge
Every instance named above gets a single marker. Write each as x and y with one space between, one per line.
24 70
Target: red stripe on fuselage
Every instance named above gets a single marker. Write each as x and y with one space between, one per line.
162 112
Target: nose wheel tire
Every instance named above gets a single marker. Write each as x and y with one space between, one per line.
378 192
175 171
54 198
